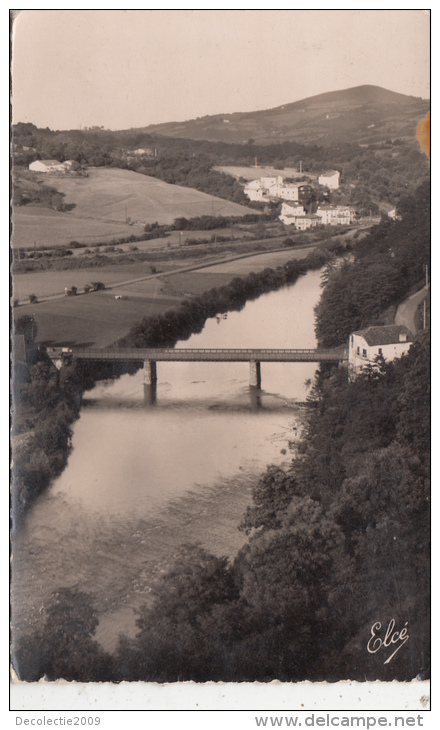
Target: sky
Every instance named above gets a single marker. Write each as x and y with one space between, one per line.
131 68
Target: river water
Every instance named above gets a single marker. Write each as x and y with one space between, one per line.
144 479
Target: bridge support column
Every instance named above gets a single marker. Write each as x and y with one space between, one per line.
150 372
150 394
254 374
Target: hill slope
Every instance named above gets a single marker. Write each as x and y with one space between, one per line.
104 200
361 114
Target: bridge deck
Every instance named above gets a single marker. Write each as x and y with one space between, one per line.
202 355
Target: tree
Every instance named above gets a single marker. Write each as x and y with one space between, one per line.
62 646
26 325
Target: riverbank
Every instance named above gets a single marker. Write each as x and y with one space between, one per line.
98 319
154 479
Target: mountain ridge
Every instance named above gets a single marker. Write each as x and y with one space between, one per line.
360 114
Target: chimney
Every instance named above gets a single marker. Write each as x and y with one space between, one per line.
402 337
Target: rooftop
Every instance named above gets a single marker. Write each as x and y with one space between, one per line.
386 335
49 162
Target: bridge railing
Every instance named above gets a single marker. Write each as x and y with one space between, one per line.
201 354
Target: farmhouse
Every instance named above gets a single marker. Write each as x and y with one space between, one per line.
390 341
47 166
330 179
143 151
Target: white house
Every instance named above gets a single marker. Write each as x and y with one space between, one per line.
263 188
285 191
336 215
290 212
254 190
330 179
47 166
390 341
143 151
304 222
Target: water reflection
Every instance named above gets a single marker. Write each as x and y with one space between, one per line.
155 465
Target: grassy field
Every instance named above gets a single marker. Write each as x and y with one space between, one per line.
99 319
104 200
47 227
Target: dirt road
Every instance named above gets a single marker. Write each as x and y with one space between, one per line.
406 312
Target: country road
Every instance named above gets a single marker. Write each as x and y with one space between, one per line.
406 311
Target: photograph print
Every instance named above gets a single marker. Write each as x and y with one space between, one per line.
220 307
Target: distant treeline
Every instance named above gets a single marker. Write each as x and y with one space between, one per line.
387 171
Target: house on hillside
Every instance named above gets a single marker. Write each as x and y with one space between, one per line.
290 212
47 166
336 215
304 222
390 341
263 188
143 151
330 179
267 188
390 211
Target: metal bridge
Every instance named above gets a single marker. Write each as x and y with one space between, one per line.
150 356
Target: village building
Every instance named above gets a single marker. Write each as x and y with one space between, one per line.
290 212
304 222
336 215
47 166
330 179
143 151
389 341
276 188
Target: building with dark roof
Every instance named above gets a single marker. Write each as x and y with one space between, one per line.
390 342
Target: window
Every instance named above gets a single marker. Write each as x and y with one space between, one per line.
358 352
364 353
380 351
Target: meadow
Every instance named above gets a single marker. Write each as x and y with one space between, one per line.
98 319
109 203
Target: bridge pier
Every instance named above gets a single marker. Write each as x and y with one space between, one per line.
150 394
255 374
150 372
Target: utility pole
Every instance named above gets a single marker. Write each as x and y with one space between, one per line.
424 314
426 270
300 167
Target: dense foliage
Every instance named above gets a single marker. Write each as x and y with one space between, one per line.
384 171
336 544
44 410
385 265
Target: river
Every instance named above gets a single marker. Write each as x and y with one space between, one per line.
143 479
